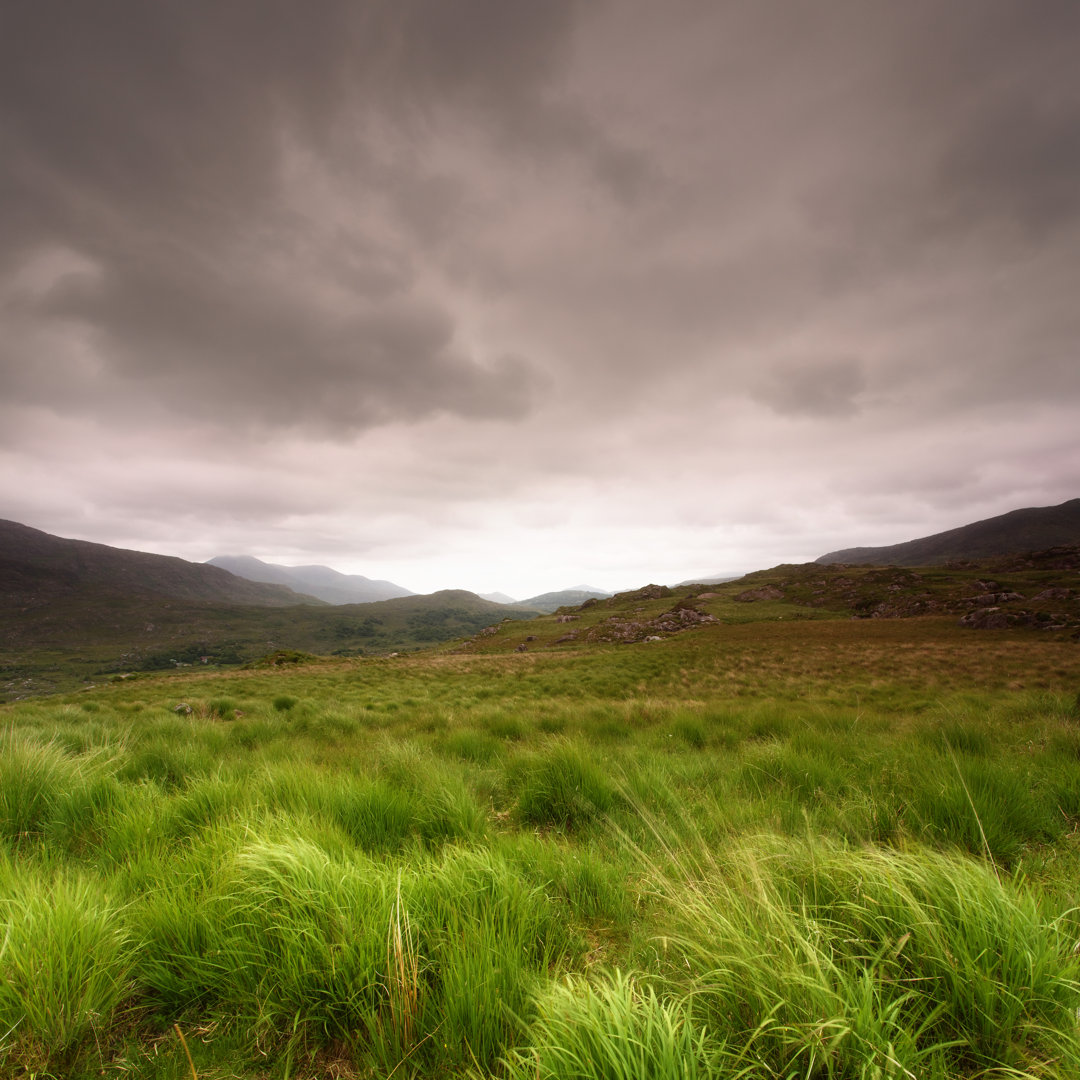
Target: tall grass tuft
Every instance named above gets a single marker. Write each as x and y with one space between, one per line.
64 963
983 806
611 1029
32 778
434 961
402 973
820 961
562 787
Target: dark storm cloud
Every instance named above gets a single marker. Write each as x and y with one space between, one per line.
145 140
249 354
969 124
813 387
1019 163
176 103
997 83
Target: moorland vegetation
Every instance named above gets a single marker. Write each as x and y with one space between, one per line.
781 838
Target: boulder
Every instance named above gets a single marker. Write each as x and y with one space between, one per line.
989 618
766 592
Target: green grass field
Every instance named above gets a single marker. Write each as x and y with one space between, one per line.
798 848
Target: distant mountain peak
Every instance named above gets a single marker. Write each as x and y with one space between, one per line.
320 581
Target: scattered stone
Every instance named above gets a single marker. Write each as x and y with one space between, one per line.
649 592
991 598
766 592
1055 593
988 618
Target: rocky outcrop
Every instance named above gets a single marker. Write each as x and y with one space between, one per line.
994 618
649 592
766 592
681 617
988 618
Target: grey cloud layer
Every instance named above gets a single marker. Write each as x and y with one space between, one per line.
639 232
146 141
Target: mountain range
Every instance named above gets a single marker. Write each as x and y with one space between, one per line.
337 588
319 581
71 610
551 601
1030 529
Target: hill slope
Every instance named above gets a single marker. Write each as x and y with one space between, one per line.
36 568
319 581
71 611
1036 591
551 601
1030 529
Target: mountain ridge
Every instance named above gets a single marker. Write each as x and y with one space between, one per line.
72 611
322 582
37 567
1028 529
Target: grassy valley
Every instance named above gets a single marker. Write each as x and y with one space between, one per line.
97 636
800 825
74 612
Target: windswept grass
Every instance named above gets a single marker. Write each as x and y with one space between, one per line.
65 960
750 855
812 959
613 1028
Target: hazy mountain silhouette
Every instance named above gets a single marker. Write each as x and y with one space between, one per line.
321 581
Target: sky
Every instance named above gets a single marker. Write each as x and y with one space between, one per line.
514 296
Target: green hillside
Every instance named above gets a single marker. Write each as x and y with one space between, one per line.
94 633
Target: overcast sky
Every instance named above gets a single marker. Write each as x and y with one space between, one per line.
517 295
